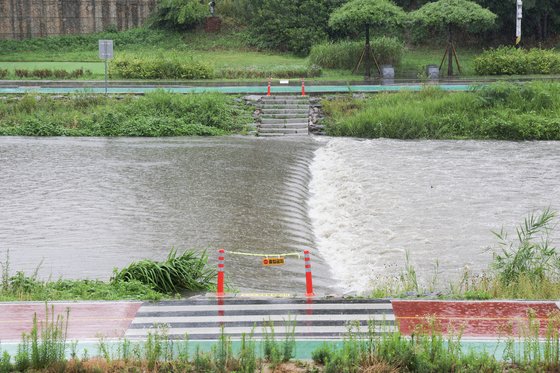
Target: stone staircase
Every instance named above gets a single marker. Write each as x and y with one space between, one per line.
283 116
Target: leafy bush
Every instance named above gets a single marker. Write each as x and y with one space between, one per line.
3 73
165 67
179 14
275 72
345 54
292 26
512 61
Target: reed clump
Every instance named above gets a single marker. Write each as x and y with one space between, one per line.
185 272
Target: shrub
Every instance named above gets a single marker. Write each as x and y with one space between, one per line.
3 73
512 61
41 73
130 67
345 54
22 73
60 74
295 71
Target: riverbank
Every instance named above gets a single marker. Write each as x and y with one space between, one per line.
155 114
499 111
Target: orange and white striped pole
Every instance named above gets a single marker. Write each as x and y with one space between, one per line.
308 275
302 87
221 258
268 89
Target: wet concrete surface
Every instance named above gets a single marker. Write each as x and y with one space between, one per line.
85 320
473 319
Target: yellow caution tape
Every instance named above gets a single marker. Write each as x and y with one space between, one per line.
262 255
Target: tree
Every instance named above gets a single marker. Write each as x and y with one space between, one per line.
358 15
291 25
451 16
179 14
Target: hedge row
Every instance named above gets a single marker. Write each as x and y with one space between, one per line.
48 73
129 67
512 61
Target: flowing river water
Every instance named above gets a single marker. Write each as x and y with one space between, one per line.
82 206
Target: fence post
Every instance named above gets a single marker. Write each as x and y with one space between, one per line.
220 288
308 275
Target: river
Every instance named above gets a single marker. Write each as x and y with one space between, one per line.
82 206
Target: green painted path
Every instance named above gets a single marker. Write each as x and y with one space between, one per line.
257 90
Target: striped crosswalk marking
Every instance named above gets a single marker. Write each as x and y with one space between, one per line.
203 319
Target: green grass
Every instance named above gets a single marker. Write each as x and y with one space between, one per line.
501 111
97 68
143 280
155 114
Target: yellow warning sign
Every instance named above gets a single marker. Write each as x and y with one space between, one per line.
267 262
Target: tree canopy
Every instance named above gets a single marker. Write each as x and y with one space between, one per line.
355 15
459 14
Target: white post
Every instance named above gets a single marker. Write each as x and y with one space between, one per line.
519 16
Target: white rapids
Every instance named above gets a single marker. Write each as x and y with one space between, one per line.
374 200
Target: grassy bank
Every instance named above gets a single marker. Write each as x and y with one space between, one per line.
501 111
155 114
143 280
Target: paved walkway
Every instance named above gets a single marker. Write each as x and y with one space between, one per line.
319 319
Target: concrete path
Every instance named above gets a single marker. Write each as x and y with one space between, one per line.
319 319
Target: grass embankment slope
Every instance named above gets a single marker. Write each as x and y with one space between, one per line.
501 111
155 114
229 53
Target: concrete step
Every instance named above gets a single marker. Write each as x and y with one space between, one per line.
284 116
267 111
284 102
286 131
285 125
284 121
285 107
284 97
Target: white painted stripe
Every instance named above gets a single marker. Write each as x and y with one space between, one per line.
268 307
259 318
239 330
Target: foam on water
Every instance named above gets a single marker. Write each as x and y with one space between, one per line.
373 200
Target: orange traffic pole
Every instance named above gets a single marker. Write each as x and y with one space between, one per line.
221 258
308 275
268 90
302 87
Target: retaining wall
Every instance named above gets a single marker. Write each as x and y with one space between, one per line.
22 19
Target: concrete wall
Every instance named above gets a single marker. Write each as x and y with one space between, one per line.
21 19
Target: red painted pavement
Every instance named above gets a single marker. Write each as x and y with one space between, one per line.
475 319
86 320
